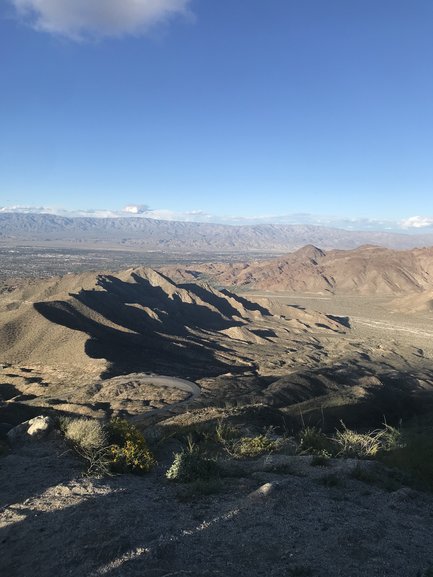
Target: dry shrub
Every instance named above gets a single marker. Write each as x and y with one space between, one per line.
89 439
88 434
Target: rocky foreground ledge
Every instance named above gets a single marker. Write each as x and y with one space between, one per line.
273 516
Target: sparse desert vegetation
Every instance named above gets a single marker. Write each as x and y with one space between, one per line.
116 446
272 481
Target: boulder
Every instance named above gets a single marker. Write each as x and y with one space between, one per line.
32 430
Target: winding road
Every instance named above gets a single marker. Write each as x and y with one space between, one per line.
170 382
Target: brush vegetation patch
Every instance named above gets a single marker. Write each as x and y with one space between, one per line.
129 449
250 447
117 446
349 443
192 465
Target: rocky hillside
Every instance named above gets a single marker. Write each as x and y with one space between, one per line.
367 270
140 320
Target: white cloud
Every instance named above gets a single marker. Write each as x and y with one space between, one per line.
136 208
79 19
417 222
25 209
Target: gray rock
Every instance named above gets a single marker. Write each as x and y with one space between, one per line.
32 430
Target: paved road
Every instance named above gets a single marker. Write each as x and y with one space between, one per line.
170 382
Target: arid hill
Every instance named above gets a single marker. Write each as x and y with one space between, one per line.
140 320
81 344
367 270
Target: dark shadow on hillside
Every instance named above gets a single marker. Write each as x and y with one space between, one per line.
178 314
137 342
248 305
8 391
55 461
345 321
213 299
359 396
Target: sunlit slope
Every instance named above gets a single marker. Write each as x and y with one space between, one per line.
140 319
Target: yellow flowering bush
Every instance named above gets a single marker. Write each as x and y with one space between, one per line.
129 450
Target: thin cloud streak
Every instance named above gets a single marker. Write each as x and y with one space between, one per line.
80 19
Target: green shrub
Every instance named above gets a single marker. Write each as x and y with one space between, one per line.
190 465
313 442
129 450
250 447
225 434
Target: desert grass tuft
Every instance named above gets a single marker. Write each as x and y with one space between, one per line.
350 443
251 447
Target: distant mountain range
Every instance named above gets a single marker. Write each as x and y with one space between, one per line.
163 235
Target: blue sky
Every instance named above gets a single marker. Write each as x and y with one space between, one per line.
286 109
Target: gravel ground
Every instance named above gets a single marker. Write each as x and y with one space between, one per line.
313 521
